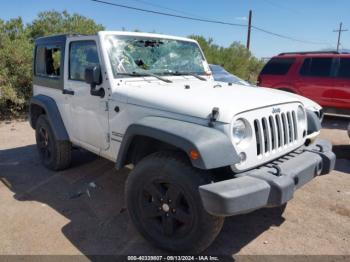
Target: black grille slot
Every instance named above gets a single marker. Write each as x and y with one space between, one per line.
295 124
273 133
290 128
285 130
279 130
257 137
266 135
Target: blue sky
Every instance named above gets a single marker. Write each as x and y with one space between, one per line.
310 20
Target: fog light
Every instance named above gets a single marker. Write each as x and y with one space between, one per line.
242 157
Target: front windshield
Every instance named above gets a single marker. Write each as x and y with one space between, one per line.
134 54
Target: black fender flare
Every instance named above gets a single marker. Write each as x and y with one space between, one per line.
53 115
214 147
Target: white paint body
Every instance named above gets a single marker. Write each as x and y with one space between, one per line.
92 123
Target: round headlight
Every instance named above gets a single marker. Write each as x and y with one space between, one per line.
240 131
301 116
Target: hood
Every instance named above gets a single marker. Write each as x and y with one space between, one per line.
308 103
197 98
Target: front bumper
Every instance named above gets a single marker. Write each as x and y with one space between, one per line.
270 185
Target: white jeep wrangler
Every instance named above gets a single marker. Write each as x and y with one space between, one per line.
201 150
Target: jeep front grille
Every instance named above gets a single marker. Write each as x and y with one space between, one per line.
275 131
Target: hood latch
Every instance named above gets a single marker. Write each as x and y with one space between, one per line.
213 116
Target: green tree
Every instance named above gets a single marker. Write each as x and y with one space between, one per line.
235 59
53 22
15 66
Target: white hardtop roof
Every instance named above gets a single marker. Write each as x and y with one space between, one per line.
151 35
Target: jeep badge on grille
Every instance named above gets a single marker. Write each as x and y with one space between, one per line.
276 110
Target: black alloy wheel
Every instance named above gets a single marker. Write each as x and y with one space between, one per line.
45 145
165 209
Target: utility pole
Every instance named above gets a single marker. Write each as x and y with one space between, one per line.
249 28
339 34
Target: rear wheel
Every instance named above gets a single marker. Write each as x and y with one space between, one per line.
55 155
165 206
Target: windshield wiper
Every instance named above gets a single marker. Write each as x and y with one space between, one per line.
144 73
180 73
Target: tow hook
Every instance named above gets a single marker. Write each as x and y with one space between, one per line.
277 168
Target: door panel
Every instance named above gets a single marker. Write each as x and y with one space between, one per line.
89 113
315 81
341 91
319 90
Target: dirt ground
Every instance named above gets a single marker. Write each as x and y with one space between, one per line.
82 211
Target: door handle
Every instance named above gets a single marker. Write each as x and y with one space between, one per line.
68 92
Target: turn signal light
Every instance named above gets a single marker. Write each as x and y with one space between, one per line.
194 155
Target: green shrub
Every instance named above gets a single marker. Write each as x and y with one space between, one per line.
236 59
15 67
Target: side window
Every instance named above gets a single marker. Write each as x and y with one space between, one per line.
48 61
305 67
344 68
319 66
82 54
278 66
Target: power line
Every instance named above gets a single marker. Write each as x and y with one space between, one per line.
288 37
207 21
169 14
170 9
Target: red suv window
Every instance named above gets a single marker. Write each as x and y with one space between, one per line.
319 66
344 68
278 66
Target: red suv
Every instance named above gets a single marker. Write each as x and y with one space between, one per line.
321 76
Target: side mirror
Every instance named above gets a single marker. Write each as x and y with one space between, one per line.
93 77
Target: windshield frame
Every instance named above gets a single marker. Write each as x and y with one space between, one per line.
143 36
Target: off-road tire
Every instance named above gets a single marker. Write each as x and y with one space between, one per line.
54 154
163 174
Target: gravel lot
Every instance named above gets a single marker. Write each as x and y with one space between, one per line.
44 212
